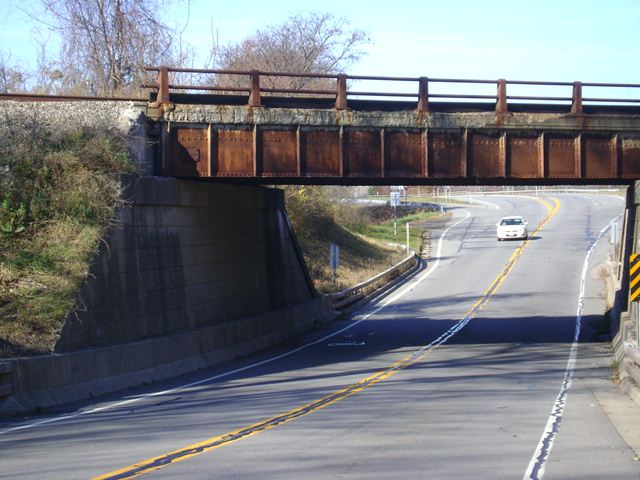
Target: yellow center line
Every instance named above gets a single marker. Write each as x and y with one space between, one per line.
160 461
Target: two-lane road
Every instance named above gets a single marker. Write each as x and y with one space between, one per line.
469 370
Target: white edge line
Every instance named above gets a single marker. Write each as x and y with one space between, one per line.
122 403
536 467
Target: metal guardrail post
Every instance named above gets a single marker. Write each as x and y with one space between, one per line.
341 92
254 95
423 94
163 85
576 104
501 104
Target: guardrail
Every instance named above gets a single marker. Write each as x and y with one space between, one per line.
250 82
346 298
33 97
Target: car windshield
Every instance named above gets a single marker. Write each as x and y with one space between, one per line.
511 221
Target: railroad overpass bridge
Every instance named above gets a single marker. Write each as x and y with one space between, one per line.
438 132
169 291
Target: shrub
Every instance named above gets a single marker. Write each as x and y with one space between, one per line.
60 175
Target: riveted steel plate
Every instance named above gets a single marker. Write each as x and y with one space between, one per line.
235 153
560 157
279 152
630 158
446 155
598 157
405 154
320 152
486 158
363 153
524 158
188 152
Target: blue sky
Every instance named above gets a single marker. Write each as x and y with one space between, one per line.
564 40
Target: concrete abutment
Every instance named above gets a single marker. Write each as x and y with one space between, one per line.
193 274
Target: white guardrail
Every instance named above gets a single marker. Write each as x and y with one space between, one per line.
535 191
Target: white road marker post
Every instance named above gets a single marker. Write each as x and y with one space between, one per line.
394 200
334 260
407 237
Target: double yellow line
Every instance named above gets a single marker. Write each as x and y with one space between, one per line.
160 461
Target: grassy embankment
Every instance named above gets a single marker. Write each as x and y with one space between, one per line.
57 195
365 236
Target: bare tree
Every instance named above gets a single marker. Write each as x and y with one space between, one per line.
106 44
12 78
48 76
313 43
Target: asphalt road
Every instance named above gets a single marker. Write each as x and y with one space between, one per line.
469 370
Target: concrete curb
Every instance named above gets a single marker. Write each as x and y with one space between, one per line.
627 355
49 381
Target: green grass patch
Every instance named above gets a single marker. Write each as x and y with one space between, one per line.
385 233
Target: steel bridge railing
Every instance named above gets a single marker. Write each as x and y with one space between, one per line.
335 87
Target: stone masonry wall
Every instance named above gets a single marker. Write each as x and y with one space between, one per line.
128 117
409 119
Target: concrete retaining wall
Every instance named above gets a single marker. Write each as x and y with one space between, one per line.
187 255
625 314
194 274
47 381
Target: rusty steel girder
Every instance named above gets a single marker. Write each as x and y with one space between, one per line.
337 129
358 155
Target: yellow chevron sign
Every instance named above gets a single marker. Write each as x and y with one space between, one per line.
634 277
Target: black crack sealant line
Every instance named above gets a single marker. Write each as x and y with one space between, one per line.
536 468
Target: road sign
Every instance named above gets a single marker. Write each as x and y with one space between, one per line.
395 199
634 277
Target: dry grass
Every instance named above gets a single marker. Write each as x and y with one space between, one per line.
39 277
58 191
360 259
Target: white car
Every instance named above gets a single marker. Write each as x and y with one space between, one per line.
511 227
